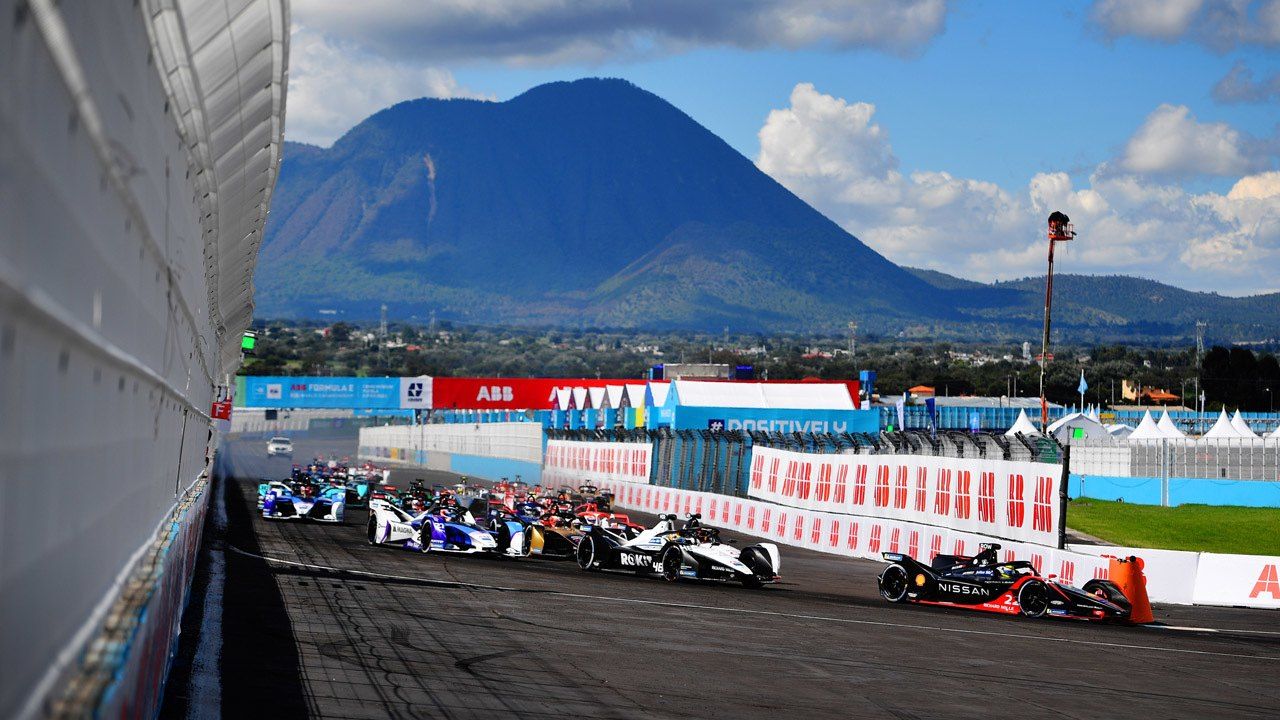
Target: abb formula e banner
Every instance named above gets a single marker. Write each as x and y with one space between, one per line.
1012 500
574 461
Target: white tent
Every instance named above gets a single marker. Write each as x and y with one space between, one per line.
1119 431
1275 434
1022 425
1092 414
1168 427
1078 426
1241 427
1221 429
1147 429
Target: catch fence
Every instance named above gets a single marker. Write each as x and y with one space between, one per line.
719 461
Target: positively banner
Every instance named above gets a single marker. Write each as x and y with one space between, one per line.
578 460
1013 500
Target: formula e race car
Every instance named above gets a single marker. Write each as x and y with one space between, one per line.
281 501
440 528
693 551
983 583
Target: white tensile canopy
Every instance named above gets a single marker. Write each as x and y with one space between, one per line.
1241 427
1119 431
1222 428
1148 429
1065 428
1274 434
1168 427
1022 425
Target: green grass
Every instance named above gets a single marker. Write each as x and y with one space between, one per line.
1203 528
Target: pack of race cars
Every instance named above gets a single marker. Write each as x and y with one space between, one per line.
515 520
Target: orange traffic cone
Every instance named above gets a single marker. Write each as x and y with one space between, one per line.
1126 573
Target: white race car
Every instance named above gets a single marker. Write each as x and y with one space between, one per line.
440 529
693 551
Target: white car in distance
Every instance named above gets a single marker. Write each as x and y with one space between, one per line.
279 446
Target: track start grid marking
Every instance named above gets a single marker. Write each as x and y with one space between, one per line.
774 613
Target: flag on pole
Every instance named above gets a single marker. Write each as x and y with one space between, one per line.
1083 385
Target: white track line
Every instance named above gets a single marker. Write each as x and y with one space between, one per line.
770 613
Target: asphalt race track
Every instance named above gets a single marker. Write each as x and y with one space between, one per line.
315 622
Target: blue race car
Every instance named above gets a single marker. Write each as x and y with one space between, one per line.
443 527
303 500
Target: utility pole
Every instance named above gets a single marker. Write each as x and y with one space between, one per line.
1060 230
1199 403
853 340
382 334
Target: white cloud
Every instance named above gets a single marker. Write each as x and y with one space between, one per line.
554 31
333 86
1171 141
834 155
1218 24
1162 19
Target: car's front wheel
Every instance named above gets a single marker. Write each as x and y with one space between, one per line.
372 531
672 562
893 583
1033 598
586 553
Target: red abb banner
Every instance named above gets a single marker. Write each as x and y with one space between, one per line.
505 393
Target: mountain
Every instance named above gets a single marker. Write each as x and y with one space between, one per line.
588 203
1112 307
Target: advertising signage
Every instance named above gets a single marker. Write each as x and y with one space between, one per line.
506 393
337 392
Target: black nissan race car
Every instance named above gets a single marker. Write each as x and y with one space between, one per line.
983 583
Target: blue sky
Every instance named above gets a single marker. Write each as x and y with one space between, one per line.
1007 90
896 119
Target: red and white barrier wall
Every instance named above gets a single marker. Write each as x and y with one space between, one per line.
862 506
598 462
997 498
842 534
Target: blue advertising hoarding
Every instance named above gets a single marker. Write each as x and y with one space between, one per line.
322 392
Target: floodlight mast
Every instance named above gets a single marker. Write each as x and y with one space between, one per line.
1060 230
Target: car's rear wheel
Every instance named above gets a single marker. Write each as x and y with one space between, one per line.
587 553
893 583
672 562
1033 598
372 531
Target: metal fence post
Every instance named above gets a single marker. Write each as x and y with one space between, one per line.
1165 462
1063 497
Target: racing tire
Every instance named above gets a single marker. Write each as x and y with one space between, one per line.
893 583
1107 590
372 531
1033 598
586 554
754 558
672 562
